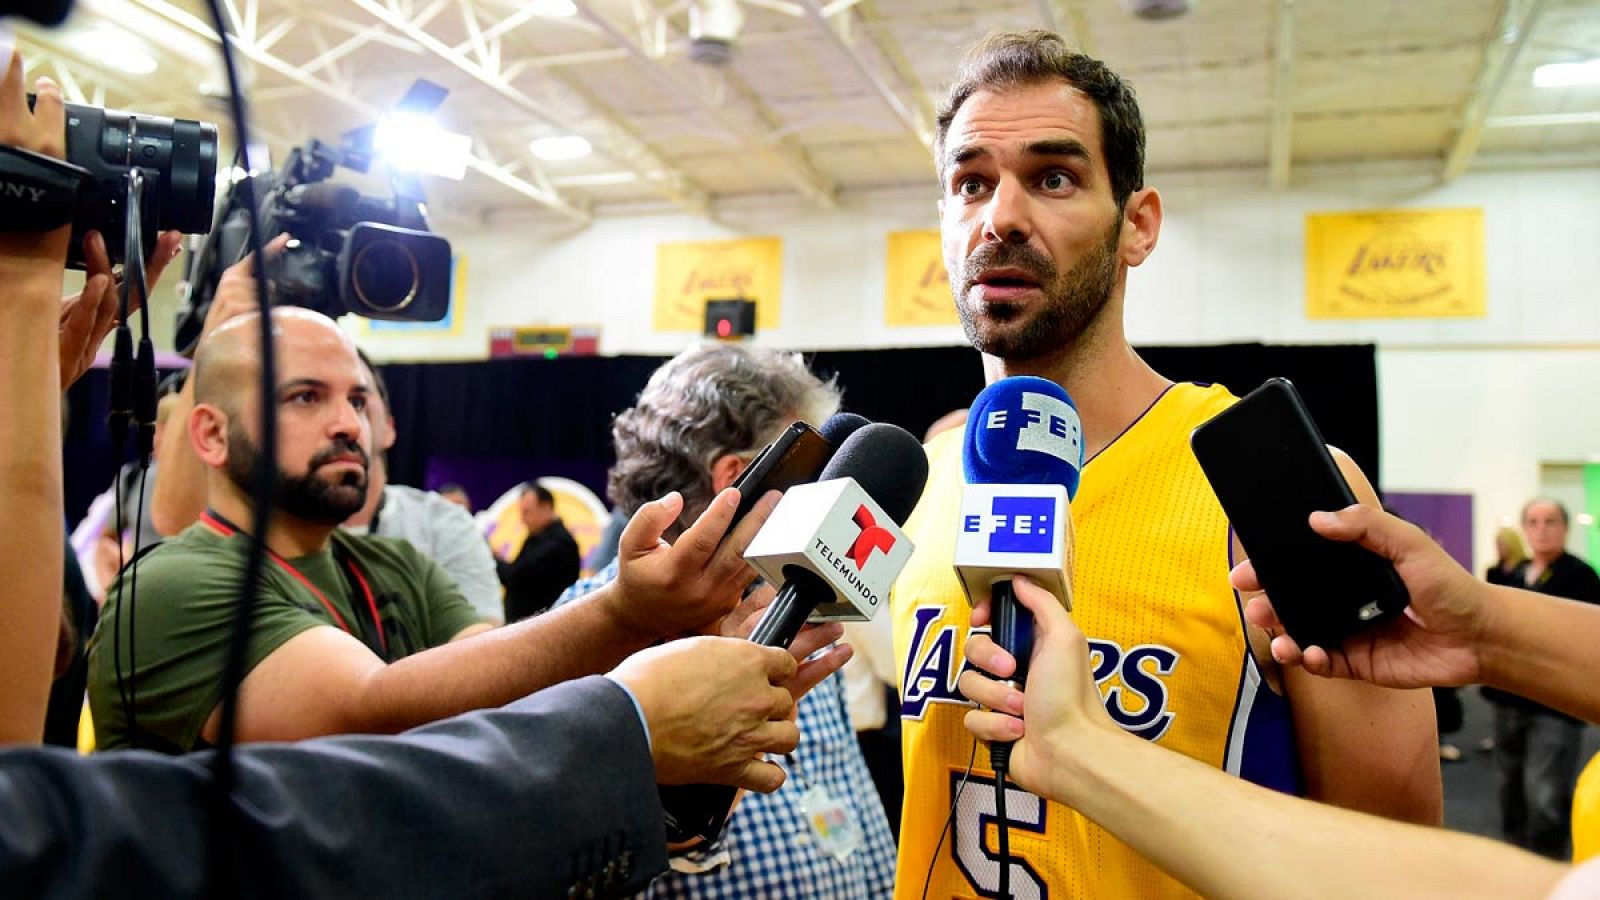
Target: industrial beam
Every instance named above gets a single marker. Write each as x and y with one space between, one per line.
1544 121
1065 17
1506 42
917 121
796 165
488 169
1280 141
678 189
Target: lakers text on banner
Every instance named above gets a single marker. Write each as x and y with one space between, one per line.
1387 264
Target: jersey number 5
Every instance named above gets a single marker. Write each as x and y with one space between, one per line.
973 847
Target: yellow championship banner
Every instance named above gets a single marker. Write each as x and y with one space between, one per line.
1395 264
688 273
918 288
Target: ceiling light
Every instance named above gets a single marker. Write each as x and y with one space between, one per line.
416 143
115 48
551 9
561 148
1567 74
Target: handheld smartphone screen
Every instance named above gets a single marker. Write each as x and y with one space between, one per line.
1270 470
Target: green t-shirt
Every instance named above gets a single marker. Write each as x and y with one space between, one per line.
181 620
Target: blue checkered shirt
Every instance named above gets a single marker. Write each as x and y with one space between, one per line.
771 848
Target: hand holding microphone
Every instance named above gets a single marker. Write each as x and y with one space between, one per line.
1022 454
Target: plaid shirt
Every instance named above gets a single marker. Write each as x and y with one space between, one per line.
769 847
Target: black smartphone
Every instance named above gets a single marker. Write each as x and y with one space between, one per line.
1270 469
796 457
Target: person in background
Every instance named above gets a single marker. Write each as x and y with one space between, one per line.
1536 747
429 522
546 565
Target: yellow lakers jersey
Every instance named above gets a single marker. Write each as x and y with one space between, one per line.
1167 645
1586 813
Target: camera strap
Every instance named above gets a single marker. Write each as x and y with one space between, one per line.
38 192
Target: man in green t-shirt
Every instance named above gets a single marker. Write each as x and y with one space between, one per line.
353 633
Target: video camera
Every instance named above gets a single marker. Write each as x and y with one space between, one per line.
347 253
89 189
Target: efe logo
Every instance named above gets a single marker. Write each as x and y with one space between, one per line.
872 537
1016 525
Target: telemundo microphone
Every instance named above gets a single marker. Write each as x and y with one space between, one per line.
836 545
1022 455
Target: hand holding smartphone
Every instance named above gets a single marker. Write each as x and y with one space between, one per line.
1271 470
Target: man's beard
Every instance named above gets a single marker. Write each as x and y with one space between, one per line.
308 497
1071 303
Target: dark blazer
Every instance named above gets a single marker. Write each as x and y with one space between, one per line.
546 566
551 796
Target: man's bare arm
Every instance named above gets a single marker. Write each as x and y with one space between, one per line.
324 681
1365 747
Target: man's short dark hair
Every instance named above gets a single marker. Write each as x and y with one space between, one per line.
543 493
1015 59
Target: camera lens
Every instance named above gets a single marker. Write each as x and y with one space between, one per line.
385 275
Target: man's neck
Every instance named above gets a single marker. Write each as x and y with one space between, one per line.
1542 561
1108 382
287 535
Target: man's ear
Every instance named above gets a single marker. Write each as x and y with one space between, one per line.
725 470
388 437
1141 225
208 434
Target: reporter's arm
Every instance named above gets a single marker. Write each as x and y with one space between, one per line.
323 681
31 267
1223 837
566 774
1457 630
1227 838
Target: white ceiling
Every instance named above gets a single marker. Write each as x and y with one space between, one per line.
824 96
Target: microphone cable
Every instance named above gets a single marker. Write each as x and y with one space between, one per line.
955 800
219 863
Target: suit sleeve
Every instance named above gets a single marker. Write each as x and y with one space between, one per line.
551 794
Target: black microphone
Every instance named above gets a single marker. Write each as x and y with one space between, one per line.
836 545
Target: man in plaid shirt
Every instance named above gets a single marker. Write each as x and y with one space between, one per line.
699 422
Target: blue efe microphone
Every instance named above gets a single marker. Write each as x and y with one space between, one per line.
1022 456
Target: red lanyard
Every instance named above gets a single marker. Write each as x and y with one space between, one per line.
227 529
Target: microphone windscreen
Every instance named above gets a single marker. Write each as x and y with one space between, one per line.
1023 430
841 425
887 462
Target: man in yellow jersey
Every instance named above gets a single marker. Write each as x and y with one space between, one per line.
1043 211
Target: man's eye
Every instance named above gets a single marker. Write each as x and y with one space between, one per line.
360 403
1056 181
969 187
302 398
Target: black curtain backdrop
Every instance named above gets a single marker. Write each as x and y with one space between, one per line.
503 421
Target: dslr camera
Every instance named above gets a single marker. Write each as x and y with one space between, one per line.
347 252
176 157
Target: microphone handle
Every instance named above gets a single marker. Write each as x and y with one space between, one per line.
795 602
1011 626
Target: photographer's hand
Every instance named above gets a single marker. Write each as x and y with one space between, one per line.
33 256
89 315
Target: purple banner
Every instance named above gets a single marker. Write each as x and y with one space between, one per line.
1447 517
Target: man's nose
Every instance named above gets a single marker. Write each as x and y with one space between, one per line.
1007 218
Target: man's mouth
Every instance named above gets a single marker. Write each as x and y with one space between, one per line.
1003 285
